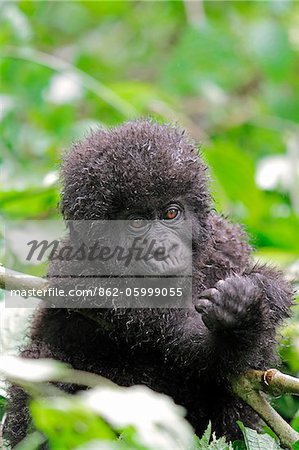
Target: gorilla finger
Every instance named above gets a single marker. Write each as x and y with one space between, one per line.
202 305
210 294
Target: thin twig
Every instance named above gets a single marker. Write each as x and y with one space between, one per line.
21 281
59 65
248 387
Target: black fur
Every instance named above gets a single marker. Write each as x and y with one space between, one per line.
187 354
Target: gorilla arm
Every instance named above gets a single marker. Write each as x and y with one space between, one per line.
241 314
238 308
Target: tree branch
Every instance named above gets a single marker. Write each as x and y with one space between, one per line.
251 386
22 281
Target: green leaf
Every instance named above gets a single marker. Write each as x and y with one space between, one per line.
207 435
296 446
239 445
67 424
235 173
210 442
295 422
270 44
255 441
3 402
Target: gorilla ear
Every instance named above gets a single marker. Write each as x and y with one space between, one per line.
70 226
77 229
62 209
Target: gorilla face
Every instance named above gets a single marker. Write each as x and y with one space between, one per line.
147 182
164 238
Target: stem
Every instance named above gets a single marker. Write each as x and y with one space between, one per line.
195 13
63 374
22 281
292 143
273 382
59 65
248 387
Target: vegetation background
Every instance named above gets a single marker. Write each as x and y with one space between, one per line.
228 72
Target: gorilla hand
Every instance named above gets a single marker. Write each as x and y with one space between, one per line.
236 304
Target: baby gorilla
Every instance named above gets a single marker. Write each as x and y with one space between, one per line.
138 171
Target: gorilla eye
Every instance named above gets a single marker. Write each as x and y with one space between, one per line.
137 223
171 213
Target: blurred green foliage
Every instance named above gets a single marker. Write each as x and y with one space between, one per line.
225 71
228 73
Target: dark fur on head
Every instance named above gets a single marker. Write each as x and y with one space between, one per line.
189 354
135 164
